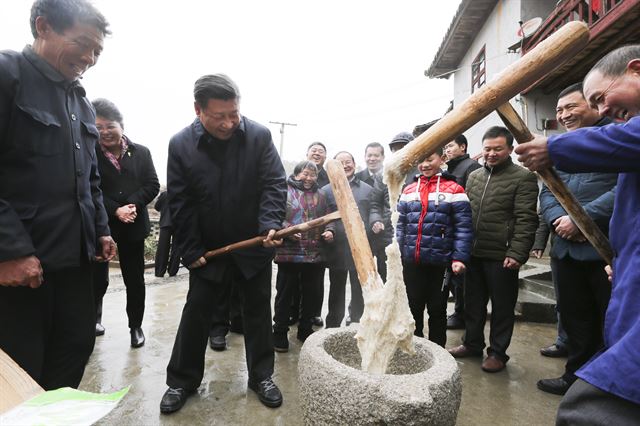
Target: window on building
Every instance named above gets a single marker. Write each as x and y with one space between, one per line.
478 70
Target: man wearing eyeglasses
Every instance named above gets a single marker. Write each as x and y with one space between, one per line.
52 218
607 390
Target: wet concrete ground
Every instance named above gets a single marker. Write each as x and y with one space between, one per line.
506 398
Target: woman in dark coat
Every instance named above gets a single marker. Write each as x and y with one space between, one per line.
128 183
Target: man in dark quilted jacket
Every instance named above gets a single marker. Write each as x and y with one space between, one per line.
503 200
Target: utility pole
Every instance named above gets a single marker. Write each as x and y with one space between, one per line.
282 133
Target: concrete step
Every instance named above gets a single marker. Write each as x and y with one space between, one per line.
532 307
539 286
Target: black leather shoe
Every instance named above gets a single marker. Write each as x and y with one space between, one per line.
99 329
317 321
137 337
218 343
303 334
280 341
454 322
268 392
556 386
236 327
347 321
174 399
554 351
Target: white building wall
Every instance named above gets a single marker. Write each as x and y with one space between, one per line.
498 33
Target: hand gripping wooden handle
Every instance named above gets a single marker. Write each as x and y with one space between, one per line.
256 241
550 178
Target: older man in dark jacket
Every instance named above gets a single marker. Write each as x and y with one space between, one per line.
338 252
225 184
52 219
503 201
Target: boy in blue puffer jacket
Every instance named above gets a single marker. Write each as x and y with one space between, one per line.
434 232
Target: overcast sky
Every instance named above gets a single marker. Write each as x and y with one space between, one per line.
346 72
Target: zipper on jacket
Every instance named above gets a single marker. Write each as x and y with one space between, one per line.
484 191
423 214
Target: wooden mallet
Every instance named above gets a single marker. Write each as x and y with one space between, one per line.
256 241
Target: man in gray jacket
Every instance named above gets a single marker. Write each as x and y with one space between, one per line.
582 288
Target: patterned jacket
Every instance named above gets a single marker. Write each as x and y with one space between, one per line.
434 224
303 205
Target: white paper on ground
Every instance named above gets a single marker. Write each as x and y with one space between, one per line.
64 406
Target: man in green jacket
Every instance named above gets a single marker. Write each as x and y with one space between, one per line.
503 200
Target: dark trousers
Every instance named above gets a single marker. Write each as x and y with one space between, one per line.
562 340
381 262
186 367
337 285
456 285
304 276
488 280
317 298
50 331
226 314
167 257
584 290
425 288
131 258
585 404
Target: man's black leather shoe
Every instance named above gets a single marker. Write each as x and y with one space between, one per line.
99 329
556 386
268 392
554 351
218 343
317 321
455 322
174 399
137 337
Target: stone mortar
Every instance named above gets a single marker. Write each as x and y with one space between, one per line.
420 389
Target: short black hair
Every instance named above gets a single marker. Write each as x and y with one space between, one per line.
615 63
64 14
497 132
303 165
107 109
214 86
374 145
345 152
316 143
461 140
575 87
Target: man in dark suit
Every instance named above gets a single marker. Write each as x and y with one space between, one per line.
52 218
225 183
380 230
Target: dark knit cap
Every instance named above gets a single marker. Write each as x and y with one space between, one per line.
401 138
